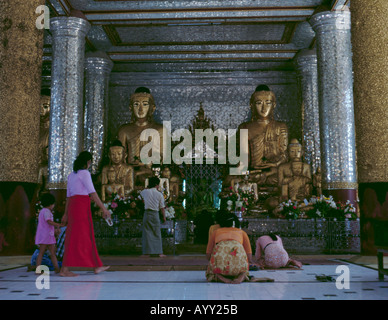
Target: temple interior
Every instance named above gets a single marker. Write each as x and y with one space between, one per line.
271 109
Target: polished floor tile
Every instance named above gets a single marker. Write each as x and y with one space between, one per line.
18 284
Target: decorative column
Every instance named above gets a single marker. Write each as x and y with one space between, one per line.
21 50
336 114
67 87
97 71
306 64
370 47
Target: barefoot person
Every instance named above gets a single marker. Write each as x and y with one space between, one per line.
80 245
153 202
45 237
271 254
229 252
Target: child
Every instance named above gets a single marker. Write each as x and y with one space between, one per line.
45 237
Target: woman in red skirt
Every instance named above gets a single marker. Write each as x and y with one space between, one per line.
80 245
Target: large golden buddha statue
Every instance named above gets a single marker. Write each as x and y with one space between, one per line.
295 176
142 106
124 174
267 138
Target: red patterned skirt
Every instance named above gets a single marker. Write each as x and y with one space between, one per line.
228 259
80 244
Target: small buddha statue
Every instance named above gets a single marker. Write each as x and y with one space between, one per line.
295 175
44 123
317 182
247 186
124 174
174 182
165 181
112 187
203 198
44 131
267 138
142 106
164 185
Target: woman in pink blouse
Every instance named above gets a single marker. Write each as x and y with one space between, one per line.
80 245
271 254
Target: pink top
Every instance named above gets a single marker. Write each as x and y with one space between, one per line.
262 242
80 183
45 232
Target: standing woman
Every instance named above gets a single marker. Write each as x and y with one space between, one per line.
80 245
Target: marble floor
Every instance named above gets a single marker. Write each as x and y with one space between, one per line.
363 284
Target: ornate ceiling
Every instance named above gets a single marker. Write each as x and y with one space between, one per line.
196 35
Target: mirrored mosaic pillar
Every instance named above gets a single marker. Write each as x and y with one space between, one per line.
67 87
97 71
306 64
336 113
370 48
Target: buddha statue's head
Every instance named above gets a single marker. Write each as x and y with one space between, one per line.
295 150
45 106
142 105
111 175
166 173
117 153
297 168
156 170
262 103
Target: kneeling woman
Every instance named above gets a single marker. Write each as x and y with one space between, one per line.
229 252
270 253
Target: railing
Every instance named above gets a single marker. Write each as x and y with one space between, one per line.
302 236
308 236
124 237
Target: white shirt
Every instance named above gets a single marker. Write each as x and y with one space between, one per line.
79 183
153 199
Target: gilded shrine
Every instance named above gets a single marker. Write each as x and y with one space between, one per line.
290 74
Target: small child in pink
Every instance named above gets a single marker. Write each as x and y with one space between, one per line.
45 237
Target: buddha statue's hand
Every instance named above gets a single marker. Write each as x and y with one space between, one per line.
265 166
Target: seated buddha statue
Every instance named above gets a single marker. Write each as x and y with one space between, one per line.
142 106
124 174
317 182
112 187
174 182
267 138
246 186
164 184
44 131
295 176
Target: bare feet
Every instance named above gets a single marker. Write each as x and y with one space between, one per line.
162 256
65 272
101 269
223 279
239 279
295 263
